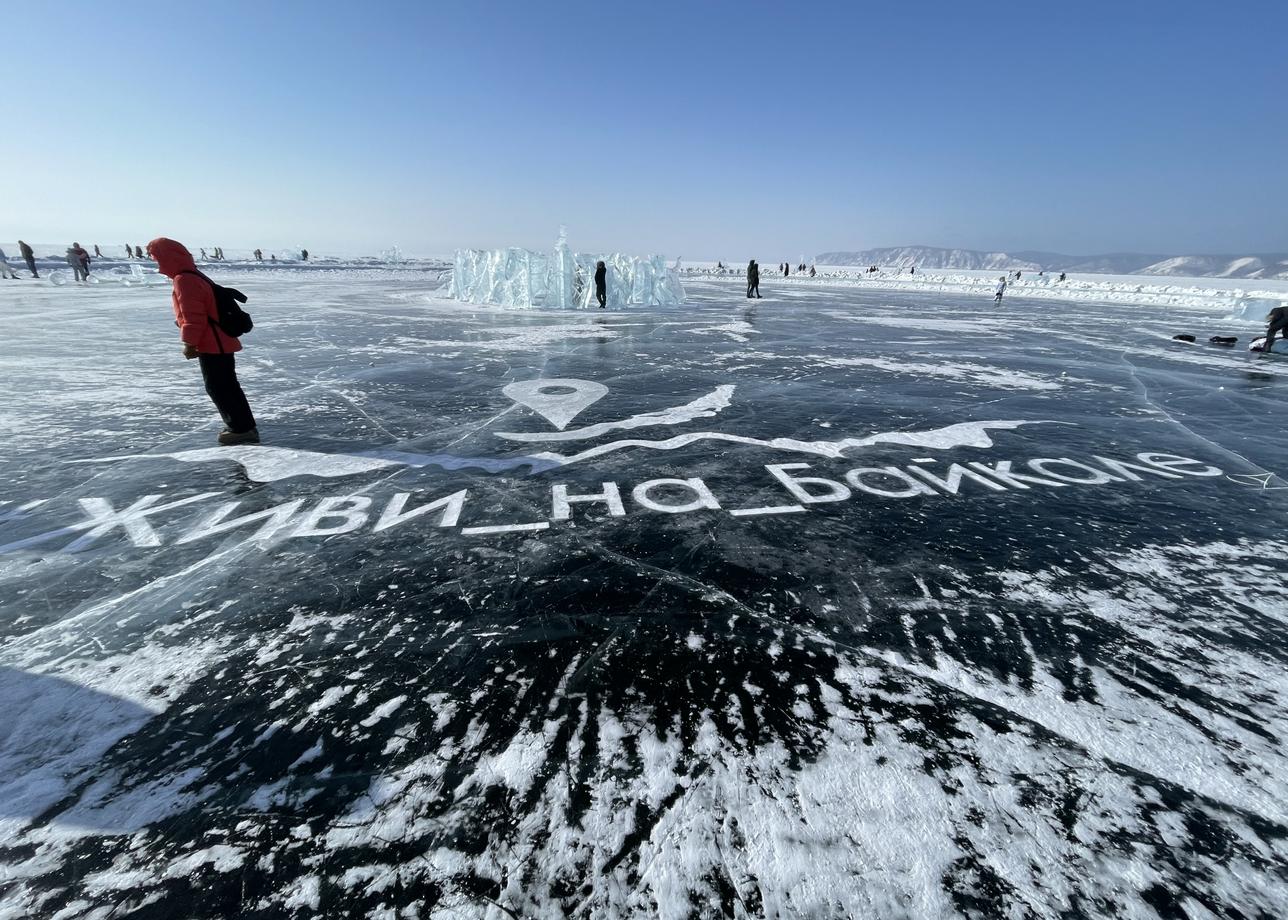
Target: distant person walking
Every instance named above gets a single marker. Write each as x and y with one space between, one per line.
601 283
753 279
1001 289
98 253
304 255
6 270
196 313
79 260
259 255
29 257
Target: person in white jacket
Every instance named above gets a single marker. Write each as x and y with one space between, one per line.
1001 289
6 270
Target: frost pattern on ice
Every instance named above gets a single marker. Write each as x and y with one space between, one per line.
564 279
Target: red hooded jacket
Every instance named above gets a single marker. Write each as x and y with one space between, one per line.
195 312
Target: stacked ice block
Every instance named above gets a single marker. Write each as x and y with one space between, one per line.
561 279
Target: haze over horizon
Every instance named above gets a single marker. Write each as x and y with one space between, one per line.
701 132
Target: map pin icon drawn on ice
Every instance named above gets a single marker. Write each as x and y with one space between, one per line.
558 399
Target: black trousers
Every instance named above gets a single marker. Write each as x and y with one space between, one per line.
31 264
601 296
220 374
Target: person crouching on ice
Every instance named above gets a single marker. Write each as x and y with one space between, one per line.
1276 324
197 316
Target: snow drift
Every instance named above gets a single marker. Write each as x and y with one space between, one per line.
1251 266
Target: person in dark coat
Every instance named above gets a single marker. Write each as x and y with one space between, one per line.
305 256
601 283
29 257
78 259
1276 324
753 279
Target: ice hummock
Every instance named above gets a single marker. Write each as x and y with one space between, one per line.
527 278
1254 309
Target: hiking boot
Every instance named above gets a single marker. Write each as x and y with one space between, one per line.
229 438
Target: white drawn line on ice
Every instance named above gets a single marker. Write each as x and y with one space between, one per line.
269 464
767 509
702 407
1257 479
38 539
962 434
506 528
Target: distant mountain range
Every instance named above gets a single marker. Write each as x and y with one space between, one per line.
1261 265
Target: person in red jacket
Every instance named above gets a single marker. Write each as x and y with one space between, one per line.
197 316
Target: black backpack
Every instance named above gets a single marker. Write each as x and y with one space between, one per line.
233 320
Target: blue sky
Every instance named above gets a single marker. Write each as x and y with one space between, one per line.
721 130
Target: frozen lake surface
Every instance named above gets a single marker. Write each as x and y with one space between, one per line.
843 602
